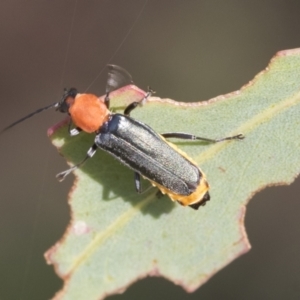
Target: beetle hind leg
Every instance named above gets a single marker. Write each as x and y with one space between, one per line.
187 136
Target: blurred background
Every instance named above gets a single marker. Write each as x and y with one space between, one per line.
187 51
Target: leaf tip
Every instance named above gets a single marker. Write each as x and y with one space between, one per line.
57 126
288 52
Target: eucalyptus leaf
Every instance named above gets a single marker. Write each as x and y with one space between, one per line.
117 236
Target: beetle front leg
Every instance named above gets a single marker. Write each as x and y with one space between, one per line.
135 104
73 131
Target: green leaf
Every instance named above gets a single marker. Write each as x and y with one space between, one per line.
116 236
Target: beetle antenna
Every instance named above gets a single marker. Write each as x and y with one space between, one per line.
29 116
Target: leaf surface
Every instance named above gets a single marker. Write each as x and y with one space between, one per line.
116 236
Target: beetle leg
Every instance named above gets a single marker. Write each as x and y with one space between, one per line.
62 175
107 100
138 185
186 136
137 182
134 104
73 131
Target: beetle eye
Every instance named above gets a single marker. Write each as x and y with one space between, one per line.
67 100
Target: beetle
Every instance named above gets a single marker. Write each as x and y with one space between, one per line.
135 144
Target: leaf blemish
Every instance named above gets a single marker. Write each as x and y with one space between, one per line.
80 228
